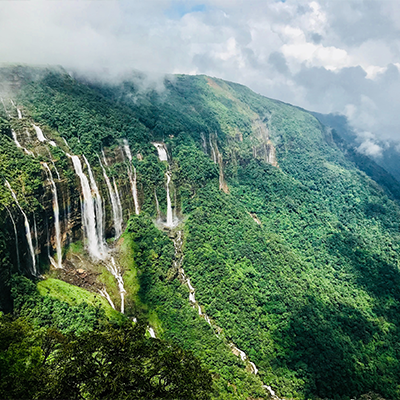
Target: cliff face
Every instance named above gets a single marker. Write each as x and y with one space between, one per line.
247 227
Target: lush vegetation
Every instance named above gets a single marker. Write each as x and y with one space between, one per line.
298 264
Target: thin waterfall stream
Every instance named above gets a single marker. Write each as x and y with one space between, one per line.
56 211
177 263
27 230
115 205
132 176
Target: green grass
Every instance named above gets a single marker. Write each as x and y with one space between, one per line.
74 295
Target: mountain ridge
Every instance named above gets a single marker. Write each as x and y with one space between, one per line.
291 249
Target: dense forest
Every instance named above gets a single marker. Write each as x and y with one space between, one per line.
190 242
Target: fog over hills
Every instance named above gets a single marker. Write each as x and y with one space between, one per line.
325 56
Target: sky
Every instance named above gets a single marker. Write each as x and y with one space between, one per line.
329 56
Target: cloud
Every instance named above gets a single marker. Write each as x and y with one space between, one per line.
323 55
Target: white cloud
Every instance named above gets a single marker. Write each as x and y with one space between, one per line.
328 56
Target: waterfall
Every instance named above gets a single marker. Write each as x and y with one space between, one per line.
118 199
98 205
19 113
41 137
54 165
170 222
27 230
177 265
94 245
151 331
18 144
134 192
104 293
161 150
104 158
132 177
16 238
66 143
56 211
36 239
116 206
116 272
39 133
163 156
14 135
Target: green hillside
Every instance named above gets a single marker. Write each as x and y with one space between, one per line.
290 240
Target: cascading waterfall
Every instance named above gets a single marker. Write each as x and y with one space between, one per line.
36 247
98 205
39 133
116 272
170 221
104 158
94 244
115 205
14 135
105 294
54 165
161 150
41 137
163 156
18 144
119 204
177 263
16 239
132 177
27 230
151 332
19 113
56 211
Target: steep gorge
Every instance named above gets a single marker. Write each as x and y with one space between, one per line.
253 241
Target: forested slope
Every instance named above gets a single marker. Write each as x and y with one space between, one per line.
257 232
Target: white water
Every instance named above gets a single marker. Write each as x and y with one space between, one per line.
18 144
116 272
98 206
151 331
118 200
116 207
178 259
19 113
14 135
56 211
36 239
16 239
170 221
161 150
104 293
54 165
66 143
94 244
104 158
27 230
39 133
132 177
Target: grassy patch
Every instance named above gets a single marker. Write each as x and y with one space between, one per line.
74 295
